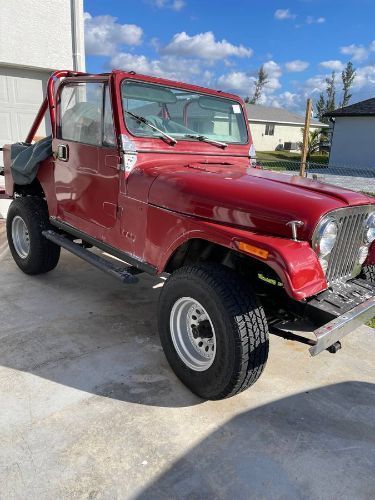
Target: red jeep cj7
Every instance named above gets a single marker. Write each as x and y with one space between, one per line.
162 175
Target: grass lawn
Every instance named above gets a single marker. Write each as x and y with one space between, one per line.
371 323
289 156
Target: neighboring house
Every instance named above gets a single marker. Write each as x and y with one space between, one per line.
36 37
353 135
272 128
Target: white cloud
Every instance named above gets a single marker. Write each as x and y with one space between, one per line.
203 46
364 81
296 65
363 86
286 99
315 20
172 67
296 100
356 52
169 4
243 83
314 85
103 34
178 4
274 72
237 81
282 14
333 64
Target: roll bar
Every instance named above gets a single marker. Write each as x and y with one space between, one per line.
49 102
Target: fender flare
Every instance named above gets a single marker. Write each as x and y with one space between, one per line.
295 262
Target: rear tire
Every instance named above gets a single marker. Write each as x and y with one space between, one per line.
32 252
213 330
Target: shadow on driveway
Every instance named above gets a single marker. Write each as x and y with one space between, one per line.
84 331
81 328
318 444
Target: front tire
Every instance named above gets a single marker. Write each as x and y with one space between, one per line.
33 253
369 273
213 330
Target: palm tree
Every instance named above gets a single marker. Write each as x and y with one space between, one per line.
315 138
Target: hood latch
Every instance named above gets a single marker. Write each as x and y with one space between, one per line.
295 224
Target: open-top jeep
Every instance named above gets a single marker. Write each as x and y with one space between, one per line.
162 176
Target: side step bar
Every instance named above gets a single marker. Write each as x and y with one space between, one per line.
124 274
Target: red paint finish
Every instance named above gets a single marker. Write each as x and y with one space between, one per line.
180 192
87 185
241 196
295 262
49 103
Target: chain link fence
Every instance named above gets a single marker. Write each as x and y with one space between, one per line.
356 179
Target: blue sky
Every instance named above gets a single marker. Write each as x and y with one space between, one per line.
221 44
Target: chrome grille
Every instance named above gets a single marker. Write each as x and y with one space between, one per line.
343 261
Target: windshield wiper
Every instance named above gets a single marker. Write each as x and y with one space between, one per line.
203 138
141 119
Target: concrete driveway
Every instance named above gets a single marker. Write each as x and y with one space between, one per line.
89 407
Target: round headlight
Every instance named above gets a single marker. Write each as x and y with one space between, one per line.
326 237
370 228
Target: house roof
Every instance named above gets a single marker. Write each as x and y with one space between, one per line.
362 108
258 113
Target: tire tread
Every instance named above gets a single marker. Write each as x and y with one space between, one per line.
369 273
44 255
252 338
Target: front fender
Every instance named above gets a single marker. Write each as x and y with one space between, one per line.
294 262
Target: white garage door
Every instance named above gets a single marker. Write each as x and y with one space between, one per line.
21 93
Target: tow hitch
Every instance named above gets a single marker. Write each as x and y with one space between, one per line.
334 347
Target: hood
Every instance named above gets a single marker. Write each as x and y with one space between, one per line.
249 198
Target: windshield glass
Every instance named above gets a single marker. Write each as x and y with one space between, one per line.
182 114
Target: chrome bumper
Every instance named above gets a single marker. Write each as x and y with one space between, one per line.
336 329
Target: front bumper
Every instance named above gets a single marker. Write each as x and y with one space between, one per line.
330 315
336 329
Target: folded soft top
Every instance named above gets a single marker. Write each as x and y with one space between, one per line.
25 159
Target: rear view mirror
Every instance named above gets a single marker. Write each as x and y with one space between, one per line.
146 92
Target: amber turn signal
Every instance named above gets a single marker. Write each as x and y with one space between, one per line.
253 250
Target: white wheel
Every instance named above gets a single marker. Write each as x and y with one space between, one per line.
26 220
193 334
20 237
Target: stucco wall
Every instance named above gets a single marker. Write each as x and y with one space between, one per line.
283 133
353 142
35 38
38 33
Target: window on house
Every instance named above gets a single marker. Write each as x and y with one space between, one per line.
270 129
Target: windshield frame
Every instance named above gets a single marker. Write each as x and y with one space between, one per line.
177 87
